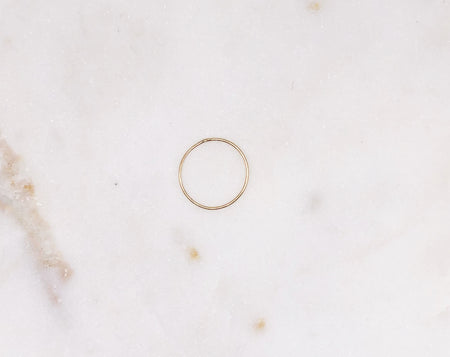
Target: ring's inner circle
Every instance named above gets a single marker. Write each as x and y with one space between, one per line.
213 173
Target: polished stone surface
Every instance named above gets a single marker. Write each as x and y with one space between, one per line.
339 246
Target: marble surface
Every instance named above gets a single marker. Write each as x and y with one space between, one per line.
340 245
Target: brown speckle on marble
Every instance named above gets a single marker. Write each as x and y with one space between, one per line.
28 187
193 254
314 6
17 198
260 324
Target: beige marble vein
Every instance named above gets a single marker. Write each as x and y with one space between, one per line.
17 198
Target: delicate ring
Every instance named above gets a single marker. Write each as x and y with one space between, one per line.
180 170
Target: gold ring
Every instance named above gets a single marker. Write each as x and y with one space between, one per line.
180 170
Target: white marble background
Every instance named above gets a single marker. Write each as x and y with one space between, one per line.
339 247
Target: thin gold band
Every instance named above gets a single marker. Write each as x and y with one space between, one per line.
180 170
